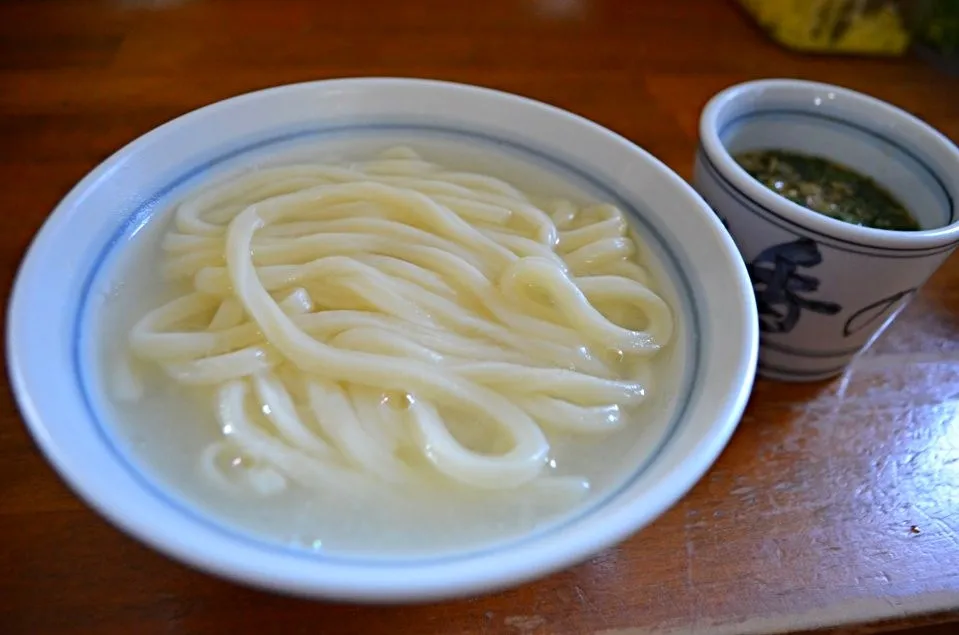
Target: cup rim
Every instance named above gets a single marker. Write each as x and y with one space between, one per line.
878 114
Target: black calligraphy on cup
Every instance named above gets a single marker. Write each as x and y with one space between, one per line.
780 286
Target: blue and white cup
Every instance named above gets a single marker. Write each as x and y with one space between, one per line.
825 288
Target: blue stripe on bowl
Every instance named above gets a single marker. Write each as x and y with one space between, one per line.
783 372
548 159
802 352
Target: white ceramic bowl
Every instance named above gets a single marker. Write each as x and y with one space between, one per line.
49 346
826 288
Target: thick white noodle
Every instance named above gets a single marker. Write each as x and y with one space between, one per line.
341 312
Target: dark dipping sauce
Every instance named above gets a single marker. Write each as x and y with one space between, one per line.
828 188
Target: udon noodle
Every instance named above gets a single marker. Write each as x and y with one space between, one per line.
393 322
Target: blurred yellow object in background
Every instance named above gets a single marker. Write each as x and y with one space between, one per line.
873 27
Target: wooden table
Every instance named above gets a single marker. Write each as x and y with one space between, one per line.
834 504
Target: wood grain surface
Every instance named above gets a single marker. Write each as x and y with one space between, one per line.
835 505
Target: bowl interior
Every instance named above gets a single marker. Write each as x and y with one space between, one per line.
902 172
66 279
901 152
124 285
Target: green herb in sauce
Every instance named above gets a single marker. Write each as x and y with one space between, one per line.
828 188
